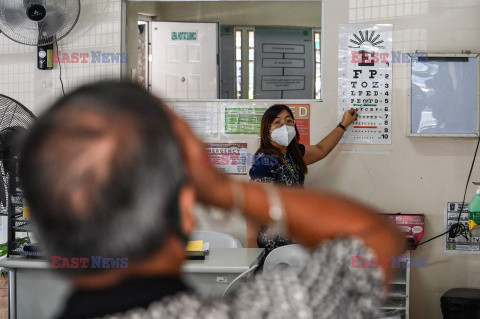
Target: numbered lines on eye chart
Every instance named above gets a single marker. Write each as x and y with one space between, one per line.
365 82
371 95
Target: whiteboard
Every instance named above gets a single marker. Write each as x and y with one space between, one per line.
444 95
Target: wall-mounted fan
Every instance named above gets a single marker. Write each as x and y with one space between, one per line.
14 121
39 23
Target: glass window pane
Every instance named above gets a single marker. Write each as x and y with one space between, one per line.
238 38
250 80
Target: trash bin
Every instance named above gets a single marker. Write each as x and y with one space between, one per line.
461 303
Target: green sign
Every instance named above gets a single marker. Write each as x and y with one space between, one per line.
184 35
243 120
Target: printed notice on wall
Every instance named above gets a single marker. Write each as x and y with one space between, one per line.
365 81
464 243
247 120
301 112
243 120
283 63
229 158
202 120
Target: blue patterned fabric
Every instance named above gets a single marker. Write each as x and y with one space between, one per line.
269 169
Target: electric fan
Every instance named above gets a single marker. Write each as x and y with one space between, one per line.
14 121
38 22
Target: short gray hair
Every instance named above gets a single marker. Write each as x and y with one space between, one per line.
101 171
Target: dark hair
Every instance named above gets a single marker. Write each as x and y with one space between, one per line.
101 171
266 145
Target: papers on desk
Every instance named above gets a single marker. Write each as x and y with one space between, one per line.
197 249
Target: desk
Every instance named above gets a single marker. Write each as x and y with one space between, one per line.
35 291
212 276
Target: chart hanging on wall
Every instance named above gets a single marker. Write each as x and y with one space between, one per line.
246 120
365 81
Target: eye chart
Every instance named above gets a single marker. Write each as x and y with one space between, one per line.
365 81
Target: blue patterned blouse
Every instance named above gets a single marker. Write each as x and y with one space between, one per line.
268 169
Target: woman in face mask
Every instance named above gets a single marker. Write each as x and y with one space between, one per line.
282 160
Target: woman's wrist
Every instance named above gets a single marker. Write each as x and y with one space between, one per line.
342 126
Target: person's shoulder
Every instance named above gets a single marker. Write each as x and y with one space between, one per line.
262 158
174 307
327 274
263 167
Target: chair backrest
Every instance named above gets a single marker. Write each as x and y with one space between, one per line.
216 239
285 256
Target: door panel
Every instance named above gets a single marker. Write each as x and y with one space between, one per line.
184 60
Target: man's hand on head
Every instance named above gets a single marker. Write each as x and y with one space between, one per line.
211 186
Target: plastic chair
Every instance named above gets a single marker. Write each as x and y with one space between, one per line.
216 239
286 256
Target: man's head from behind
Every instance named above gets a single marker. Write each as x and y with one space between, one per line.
102 172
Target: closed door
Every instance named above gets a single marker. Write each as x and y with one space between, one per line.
184 60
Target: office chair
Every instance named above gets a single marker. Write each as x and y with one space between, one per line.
216 239
285 256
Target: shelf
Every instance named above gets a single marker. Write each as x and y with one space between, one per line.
393 308
397 303
25 228
20 251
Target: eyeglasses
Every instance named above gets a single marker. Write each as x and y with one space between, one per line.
279 123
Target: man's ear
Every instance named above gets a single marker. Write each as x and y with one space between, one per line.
187 204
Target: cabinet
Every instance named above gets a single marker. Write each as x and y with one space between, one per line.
397 304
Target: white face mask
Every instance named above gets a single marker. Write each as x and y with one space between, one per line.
283 135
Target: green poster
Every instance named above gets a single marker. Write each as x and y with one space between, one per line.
243 120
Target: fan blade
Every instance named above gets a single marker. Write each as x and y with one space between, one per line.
54 21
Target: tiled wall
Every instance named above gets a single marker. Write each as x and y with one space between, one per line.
98 29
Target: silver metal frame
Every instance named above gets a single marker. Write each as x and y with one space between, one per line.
12 294
409 99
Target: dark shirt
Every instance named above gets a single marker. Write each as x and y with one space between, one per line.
132 293
269 169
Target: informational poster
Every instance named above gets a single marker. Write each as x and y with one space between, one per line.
461 244
203 120
243 120
247 120
283 63
301 112
229 158
365 81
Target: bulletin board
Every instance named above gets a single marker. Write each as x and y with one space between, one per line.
444 95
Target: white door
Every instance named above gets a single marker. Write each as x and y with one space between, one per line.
184 60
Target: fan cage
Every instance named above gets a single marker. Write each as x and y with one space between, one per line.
13 113
61 18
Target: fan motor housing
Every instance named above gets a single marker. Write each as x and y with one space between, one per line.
36 12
